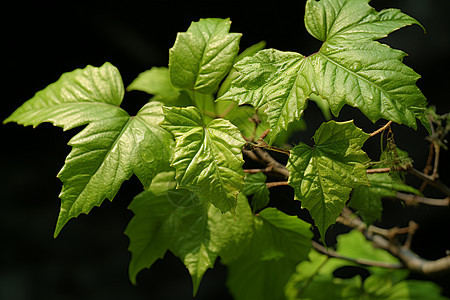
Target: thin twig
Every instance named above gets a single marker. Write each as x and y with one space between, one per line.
276 183
381 129
272 148
255 171
227 110
413 226
428 167
277 169
252 156
430 180
380 170
256 121
437 151
360 261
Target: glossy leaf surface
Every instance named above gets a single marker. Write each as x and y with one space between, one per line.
110 148
350 68
203 55
208 159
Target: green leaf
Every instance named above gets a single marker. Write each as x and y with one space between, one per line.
367 199
276 82
242 117
203 55
278 244
340 21
177 220
230 77
355 245
351 68
252 279
255 184
279 235
110 149
380 288
208 159
77 98
371 77
312 276
108 152
324 175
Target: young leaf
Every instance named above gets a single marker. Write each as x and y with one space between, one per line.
352 68
367 199
278 244
277 82
203 55
177 220
208 159
110 149
255 184
324 175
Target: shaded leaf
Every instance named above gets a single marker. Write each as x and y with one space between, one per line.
156 82
177 220
323 176
255 184
279 243
367 199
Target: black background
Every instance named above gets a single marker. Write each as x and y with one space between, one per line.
89 259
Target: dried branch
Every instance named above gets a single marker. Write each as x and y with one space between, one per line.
410 259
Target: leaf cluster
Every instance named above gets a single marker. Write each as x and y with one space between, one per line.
186 148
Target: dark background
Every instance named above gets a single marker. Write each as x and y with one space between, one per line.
89 259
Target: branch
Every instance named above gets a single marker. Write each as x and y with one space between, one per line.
273 166
360 261
276 183
431 181
411 199
381 129
410 259
380 170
